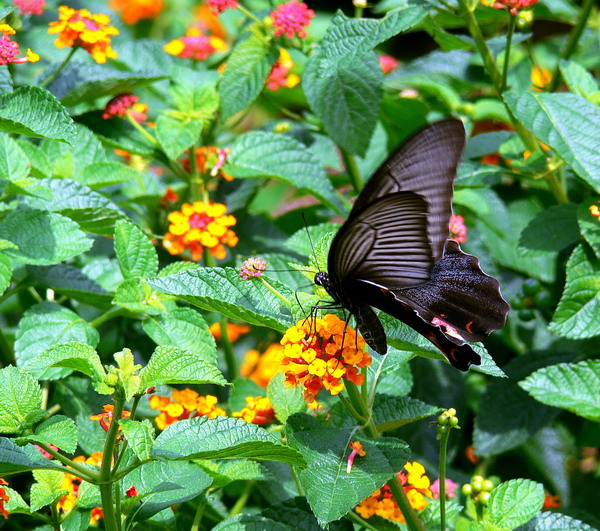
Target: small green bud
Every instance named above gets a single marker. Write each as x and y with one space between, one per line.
453 422
488 485
268 22
531 286
112 379
467 489
451 412
282 127
360 3
526 315
484 498
442 419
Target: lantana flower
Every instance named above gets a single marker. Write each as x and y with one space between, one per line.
131 492
595 211
253 268
458 229
291 18
209 161
169 197
72 483
125 103
540 77
132 11
218 6
416 486
10 50
30 7
387 63
513 6
195 45
4 498
184 404
258 410
199 226
322 353
260 368
82 28
234 331
357 449
106 417
451 487
280 73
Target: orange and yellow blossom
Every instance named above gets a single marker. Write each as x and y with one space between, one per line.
132 11
321 353
234 331
260 368
3 498
82 28
72 484
106 417
258 410
195 45
199 226
184 404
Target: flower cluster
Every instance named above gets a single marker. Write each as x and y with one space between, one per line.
82 28
169 197
199 226
209 161
595 211
451 487
253 268
72 484
9 49
291 18
478 490
3 498
126 103
132 11
458 229
387 63
416 485
30 7
106 417
513 6
357 449
218 6
540 77
234 331
321 353
195 45
258 410
184 404
280 73
260 368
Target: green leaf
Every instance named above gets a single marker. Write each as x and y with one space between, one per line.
161 485
14 164
103 174
43 238
286 400
226 471
515 502
86 82
392 412
15 459
250 522
21 396
32 111
574 387
183 328
577 78
15 504
590 225
222 438
195 93
577 313
247 68
139 435
221 289
74 355
5 272
172 365
47 489
46 324
281 157
552 229
565 122
176 135
300 241
552 521
136 254
330 490
136 296
57 430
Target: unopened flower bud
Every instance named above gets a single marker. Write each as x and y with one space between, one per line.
484 498
360 3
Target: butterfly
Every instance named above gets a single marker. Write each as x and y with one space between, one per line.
393 253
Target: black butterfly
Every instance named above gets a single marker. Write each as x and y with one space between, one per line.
393 253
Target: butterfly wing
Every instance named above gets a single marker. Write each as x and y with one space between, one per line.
426 165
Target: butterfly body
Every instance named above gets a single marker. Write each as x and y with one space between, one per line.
393 253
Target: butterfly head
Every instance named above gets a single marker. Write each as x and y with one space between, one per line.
322 279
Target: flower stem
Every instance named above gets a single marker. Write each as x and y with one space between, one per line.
202 502
110 314
50 79
360 406
249 14
275 292
80 471
362 523
511 29
140 129
443 454
242 500
584 14
353 171
412 520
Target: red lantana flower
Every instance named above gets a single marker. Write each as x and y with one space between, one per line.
218 6
291 18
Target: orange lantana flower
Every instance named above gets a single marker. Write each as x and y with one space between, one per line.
258 410
260 368
72 484
184 404
234 331
106 417
3 498
132 11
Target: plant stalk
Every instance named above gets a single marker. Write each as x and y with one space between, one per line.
443 456
511 29
50 79
352 169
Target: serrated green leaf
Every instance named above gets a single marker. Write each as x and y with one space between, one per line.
73 355
105 271
195 93
223 290
261 154
15 459
300 242
139 435
565 122
250 522
515 502
47 489
57 430
14 164
33 111
590 225
87 150
574 387
577 313
43 238
286 400
136 296
136 254
552 521
226 471
101 174
247 68
21 395
330 490
15 504
184 328
392 412
552 230
46 324
577 78
172 365
5 273
222 438
176 135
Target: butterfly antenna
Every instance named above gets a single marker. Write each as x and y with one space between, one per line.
309 238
